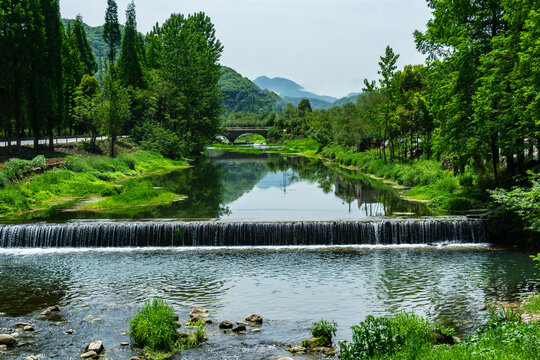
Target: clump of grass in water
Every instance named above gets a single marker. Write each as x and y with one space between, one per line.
198 336
154 328
324 331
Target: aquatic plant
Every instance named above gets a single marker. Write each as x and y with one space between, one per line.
154 326
324 331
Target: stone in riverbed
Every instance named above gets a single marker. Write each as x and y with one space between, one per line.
242 323
96 346
89 355
134 358
7 340
285 358
297 349
70 331
254 319
28 328
32 357
198 313
124 344
225 325
239 328
184 335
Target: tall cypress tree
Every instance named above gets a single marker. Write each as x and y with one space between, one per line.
52 75
129 66
87 55
111 31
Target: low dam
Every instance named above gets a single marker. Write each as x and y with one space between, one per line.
167 234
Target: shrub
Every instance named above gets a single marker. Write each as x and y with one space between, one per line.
3 180
76 164
154 326
12 200
324 331
39 162
15 168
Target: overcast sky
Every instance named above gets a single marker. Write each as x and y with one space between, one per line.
327 46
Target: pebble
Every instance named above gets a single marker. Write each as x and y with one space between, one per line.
96 346
70 331
96 320
256 330
124 343
125 333
32 357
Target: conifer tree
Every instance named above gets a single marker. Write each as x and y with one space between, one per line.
111 31
86 53
129 66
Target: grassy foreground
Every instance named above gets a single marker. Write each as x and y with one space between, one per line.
108 182
407 336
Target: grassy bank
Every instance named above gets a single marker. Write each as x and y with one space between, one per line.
407 336
422 180
107 181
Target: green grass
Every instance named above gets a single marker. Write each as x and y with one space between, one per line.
407 336
533 304
154 328
85 177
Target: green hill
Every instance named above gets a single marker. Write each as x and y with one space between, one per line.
242 95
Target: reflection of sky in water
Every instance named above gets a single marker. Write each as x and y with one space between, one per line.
283 196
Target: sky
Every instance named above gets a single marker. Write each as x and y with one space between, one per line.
327 46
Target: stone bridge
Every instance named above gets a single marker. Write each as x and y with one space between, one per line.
232 133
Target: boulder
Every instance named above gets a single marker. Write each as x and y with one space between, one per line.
31 357
254 319
89 355
239 328
198 313
124 343
7 340
184 335
28 328
225 325
309 342
96 346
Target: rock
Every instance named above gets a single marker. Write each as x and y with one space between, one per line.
285 358
184 335
241 323
239 328
124 344
21 324
225 325
96 320
330 352
125 333
441 338
178 324
70 331
28 328
84 305
256 330
208 321
89 355
342 341
3 347
96 346
297 349
7 340
55 308
254 319
309 342
31 357
134 358
198 313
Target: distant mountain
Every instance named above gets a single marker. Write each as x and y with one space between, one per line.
242 95
293 92
351 98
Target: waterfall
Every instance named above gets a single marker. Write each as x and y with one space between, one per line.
163 234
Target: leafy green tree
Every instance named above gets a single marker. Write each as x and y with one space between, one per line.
86 107
114 108
111 31
186 52
129 67
387 66
304 107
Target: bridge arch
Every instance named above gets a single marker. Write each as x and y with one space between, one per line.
233 133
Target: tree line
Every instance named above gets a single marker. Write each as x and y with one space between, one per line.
162 87
474 104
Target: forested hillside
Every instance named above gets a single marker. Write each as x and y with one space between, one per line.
242 95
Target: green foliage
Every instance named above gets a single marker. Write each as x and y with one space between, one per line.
39 162
154 326
200 331
152 136
14 168
324 331
111 30
129 66
4 182
523 201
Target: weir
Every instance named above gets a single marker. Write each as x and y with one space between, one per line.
168 234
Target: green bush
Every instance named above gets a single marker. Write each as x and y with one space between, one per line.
15 168
39 162
154 326
12 200
324 331
3 180
76 164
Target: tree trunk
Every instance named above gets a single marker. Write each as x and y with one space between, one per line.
494 153
17 112
50 133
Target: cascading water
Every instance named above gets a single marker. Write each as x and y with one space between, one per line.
164 234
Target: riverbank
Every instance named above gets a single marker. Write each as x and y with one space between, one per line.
416 180
85 183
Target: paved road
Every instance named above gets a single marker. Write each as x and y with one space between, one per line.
45 141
